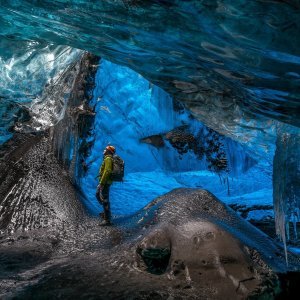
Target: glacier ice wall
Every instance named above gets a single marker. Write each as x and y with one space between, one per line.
69 135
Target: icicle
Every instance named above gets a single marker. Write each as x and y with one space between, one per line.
228 189
280 223
286 183
294 221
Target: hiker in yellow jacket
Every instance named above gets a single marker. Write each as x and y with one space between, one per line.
105 182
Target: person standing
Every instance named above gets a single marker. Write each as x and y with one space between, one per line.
105 181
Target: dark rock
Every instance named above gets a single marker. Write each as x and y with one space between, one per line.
207 143
154 140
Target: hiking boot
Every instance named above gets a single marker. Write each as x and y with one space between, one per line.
105 223
102 215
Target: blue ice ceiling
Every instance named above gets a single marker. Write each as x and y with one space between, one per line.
229 60
129 109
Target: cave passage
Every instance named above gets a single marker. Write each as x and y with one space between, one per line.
200 99
164 148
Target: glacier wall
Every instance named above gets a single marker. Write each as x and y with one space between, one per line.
69 135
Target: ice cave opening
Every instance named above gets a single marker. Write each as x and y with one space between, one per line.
165 147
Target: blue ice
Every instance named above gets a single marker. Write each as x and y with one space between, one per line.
129 108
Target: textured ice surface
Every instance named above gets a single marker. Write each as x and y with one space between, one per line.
36 78
35 191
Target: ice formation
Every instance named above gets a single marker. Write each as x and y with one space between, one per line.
36 78
232 64
286 183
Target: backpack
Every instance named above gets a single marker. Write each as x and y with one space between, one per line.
118 168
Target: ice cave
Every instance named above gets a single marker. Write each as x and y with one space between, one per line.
200 99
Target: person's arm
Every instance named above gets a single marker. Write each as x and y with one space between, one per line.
108 165
100 172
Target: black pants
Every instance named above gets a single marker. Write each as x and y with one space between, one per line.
104 201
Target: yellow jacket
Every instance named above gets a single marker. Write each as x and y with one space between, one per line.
106 170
